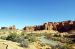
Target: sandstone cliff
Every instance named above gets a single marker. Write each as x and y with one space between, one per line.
58 26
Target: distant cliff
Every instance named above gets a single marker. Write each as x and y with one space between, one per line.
10 28
58 26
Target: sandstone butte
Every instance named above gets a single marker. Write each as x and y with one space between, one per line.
57 26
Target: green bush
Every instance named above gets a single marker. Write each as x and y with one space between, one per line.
12 37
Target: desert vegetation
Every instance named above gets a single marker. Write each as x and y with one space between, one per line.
52 40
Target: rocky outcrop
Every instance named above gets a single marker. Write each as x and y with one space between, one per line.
58 26
29 28
10 28
4 27
66 26
48 26
33 28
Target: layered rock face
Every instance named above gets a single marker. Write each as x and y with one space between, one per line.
58 26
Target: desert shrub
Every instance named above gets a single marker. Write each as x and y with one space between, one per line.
24 43
3 37
61 47
67 46
57 35
12 36
62 39
22 39
18 38
31 37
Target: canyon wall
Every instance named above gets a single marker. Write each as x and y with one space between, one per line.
58 26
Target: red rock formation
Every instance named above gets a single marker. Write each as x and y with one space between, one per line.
48 26
59 26
29 28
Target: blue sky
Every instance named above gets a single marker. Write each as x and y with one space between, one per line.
35 12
